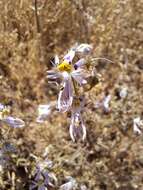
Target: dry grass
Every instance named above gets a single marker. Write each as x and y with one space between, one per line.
111 158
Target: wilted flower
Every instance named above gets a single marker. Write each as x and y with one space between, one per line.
9 120
69 75
137 123
13 122
43 112
77 128
84 48
70 185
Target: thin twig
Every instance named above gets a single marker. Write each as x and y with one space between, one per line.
37 17
102 58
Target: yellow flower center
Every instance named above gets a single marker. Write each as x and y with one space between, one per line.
65 66
4 112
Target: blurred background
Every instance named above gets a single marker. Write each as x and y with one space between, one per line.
112 156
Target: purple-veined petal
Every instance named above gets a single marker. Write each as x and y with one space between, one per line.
77 128
79 63
46 178
79 75
53 74
65 97
69 56
14 122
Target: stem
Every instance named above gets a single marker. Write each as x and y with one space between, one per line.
102 58
75 88
36 16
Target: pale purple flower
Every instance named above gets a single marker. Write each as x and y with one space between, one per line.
66 72
77 128
9 120
43 178
13 122
65 97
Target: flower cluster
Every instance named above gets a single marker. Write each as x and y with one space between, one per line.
42 177
70 77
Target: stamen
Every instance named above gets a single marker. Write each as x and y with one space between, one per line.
65 66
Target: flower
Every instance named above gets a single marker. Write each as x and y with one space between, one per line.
42 177
14 122
43 112
70 75
77 127
137 123
9 120
84 48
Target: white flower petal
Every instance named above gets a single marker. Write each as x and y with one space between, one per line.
65 97
79 63
71 131
79 75
70 185
77 128
137 123
52 74
56 60
14 122
1 107
106 102
84 132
